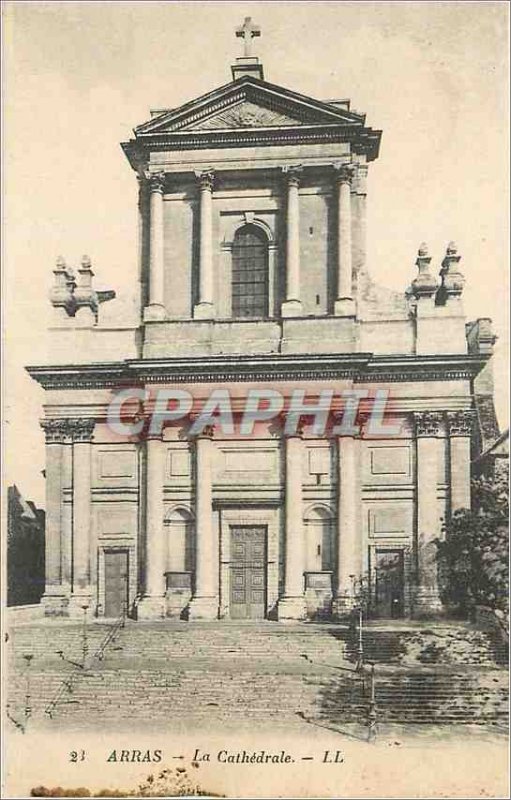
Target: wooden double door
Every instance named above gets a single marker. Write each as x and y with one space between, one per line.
388 573
248 572
116 582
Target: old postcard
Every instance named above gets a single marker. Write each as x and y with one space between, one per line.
256 363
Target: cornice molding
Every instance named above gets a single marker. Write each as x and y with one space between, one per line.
359 367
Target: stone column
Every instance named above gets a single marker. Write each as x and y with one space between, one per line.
205 308
205 601
143 242
292 306
348 551
344 304
81 596
460 428
292 605
427 428
55 596
152 605
156 308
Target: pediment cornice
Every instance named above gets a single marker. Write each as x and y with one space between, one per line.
275 105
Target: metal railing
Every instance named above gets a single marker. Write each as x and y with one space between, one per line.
68 684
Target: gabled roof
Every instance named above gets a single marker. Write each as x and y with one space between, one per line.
262 104
251 111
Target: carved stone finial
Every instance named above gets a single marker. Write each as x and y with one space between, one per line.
424 285
62 292
453 280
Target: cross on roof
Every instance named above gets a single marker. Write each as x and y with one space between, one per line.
247 32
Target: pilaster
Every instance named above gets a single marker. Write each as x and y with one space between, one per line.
292 606
344 304
427 427
152 605
348 554
82 432
460 429
205 600
205 308
292 306
156 308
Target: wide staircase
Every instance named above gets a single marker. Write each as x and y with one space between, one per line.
170 671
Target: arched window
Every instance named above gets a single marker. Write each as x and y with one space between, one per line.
249 273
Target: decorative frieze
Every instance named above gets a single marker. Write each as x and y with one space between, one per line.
427 423
460 422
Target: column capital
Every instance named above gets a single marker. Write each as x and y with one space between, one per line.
56 431
207 432
344 173
293 174
156 182
82 429
427 423
460 422
205 179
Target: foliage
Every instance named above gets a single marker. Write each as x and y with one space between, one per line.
473 556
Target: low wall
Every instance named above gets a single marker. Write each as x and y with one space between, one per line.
494 620
14 615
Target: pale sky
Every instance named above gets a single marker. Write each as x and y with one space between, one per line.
79 76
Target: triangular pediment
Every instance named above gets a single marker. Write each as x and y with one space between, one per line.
246 115
248 103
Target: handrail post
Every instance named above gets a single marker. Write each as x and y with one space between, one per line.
28 708
372 714
360 650
85 643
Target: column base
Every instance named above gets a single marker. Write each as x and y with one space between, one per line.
342 606
427 602
204 311
154 313
291 308
203 608
344 307
291 609
151 608
55 602
81 604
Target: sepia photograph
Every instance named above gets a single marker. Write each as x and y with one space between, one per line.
255 399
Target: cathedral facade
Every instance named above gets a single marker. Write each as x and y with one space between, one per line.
253 278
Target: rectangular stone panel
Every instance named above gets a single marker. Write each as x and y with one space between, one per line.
249 460
390 521
115 463
319 461
390 461
178 464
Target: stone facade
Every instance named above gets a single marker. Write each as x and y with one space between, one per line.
162 524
